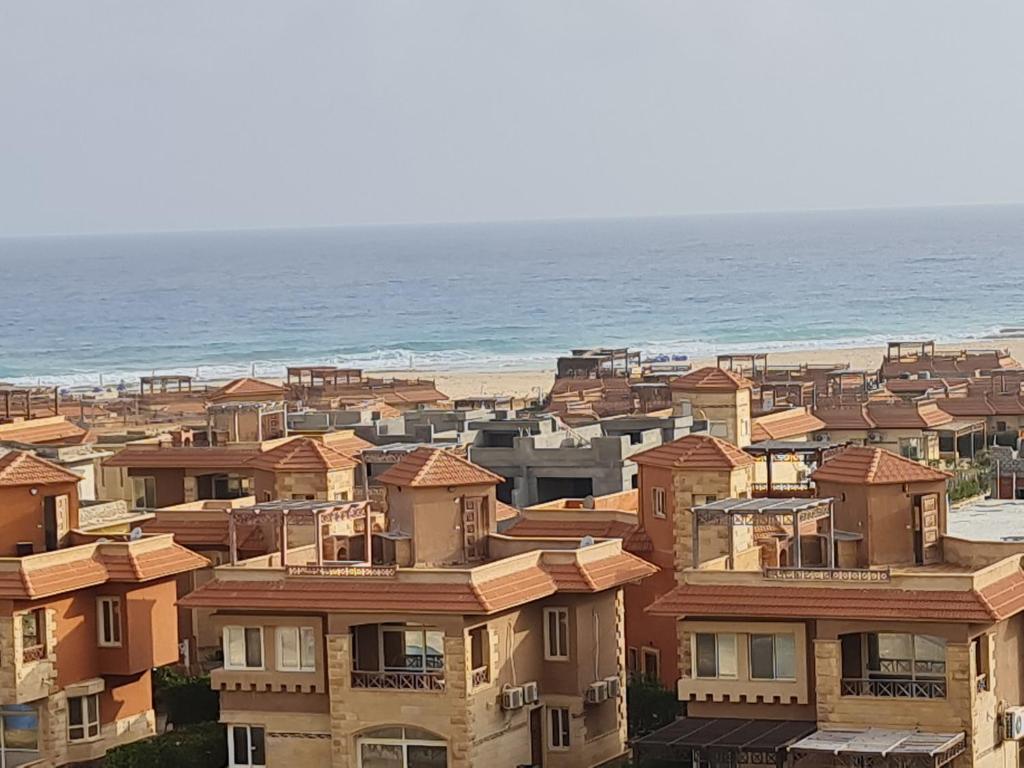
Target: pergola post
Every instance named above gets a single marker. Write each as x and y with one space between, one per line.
284 539
232 539
696 538
831 533
798 556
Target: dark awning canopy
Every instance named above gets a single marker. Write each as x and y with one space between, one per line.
720 739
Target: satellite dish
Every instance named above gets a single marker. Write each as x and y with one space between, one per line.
587 541
136 534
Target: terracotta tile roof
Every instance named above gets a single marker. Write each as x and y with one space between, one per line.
1006 405
207 534
864 465
21 468
1005 597
186 457
967 406
534 581
695 452
711 379
303 454
923 415
44 431
784 424
504 511
436 468
776 601
351 445
845 417
534 527
247 387
90 566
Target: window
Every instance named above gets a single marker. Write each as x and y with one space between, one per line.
699 501
556 634
651 663
895 655
715 654
246 746
296 649
658 502
772 657
632 659
478 650
108 621
33 629
243 647
558 728
144 491
19 734
84 717
412 649
398 747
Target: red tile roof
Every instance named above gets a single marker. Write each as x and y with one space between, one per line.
695 452
44 431
784 424
884 415
1005 597
711 379
436 468
534 581
845 417
777 601
863 465
967 406
185 457
303 454
247 388
21 468
539 527
87 566
207 534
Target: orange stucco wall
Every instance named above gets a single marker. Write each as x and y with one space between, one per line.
23 513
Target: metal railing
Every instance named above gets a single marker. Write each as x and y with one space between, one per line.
894 689
33 653
481 675
908 666
398 681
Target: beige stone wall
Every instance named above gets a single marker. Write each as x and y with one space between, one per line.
732 408
690 487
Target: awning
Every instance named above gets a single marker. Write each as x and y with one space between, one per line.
929 750
716 739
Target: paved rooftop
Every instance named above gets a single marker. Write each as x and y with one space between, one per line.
988 520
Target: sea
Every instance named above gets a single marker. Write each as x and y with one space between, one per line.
495 296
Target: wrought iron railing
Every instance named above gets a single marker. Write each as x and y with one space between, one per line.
398 681
481 675
907 666
894 689
33 653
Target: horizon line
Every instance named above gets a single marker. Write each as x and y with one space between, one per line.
479 222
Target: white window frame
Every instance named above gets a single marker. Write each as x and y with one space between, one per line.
561 640
658 501
305 665
88 724
564 729
718 664
404 743
775 658
232 762
227 649
111 604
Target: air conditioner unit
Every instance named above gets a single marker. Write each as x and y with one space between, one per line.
823 437
1013 723
531 693
512 698
614 686
597 692
874 437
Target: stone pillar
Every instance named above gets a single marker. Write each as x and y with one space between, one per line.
456 676
339 683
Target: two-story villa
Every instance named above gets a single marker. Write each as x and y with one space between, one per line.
880 641
455 646
84 609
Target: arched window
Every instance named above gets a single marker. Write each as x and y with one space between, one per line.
401 747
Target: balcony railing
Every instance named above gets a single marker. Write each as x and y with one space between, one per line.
481 676
894 689
907 666
33 653
398 681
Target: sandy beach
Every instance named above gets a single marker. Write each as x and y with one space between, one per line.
463 383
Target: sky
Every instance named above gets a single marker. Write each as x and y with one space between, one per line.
138 115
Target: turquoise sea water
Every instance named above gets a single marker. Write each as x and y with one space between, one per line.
501 295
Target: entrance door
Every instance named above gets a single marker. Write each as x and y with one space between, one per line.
926 528
537 737
55 521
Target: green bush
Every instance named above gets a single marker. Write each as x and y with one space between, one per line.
185 699
650 706
196 746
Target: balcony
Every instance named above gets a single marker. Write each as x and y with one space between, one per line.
398 681
894 689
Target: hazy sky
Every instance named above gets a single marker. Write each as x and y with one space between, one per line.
145 115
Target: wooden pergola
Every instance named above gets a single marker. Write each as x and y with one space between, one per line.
756 363
323 375
163 384
12 395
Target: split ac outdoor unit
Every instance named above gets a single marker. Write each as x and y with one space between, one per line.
512 698
823 437
874 437
531 693
597 692
1013 723
614 686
